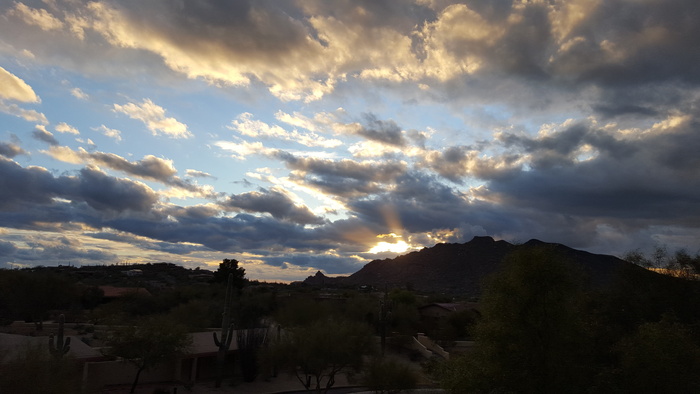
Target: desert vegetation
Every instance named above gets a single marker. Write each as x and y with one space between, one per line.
543 325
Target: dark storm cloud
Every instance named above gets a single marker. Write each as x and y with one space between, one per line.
11 150
20 185
7 249
36 185
254 31
42 252
652 176
343 177
242 232
657 38
383 131
148 244
150 167
41 134
419 201
459 162
274 202
565 146
106 193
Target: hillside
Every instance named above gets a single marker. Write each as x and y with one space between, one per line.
461 268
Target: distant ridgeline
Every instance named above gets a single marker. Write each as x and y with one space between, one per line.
461 268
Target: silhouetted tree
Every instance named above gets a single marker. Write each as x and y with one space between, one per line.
680 264
33 370
660 358
317 352
230 266
387 375
530 338
148 344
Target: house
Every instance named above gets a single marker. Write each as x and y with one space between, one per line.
13 345
113 292
437 311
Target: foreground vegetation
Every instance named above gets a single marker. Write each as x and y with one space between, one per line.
541 327
544 330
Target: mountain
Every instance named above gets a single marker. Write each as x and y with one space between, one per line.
461 268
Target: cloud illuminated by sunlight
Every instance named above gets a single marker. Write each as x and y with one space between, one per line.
396 247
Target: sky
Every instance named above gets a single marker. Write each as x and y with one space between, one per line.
297 136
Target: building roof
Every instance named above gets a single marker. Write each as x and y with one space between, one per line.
12 345
453 306
116 292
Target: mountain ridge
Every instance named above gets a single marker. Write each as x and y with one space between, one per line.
461 268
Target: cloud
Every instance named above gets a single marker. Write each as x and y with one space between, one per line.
40 133
249 127
35 185
37 17
342 177
591 171
304 51
66 128
243 149
111 133
149 168
144 243
29 115
153 116
198 174
385 132
573 121
57 248
276 202
11 150
14 88
79 94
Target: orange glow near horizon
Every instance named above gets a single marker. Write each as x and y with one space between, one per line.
397 247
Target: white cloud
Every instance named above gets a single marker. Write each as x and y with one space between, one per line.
111 133
66 128
153 116
29 115
79 94
241 150
14 88
37 17
247 126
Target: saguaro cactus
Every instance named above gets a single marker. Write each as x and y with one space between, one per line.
58 346
226 333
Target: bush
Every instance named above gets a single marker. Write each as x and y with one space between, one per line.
389 376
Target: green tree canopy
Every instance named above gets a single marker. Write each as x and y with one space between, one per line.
530 338
660 358
316 353
148 343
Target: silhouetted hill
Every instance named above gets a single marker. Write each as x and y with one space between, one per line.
461 268
322 280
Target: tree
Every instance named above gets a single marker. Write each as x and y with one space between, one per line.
318 352
680 264
230 266
660 358
386 375
530 338
32 369
148 344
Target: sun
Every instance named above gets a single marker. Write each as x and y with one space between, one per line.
396 247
